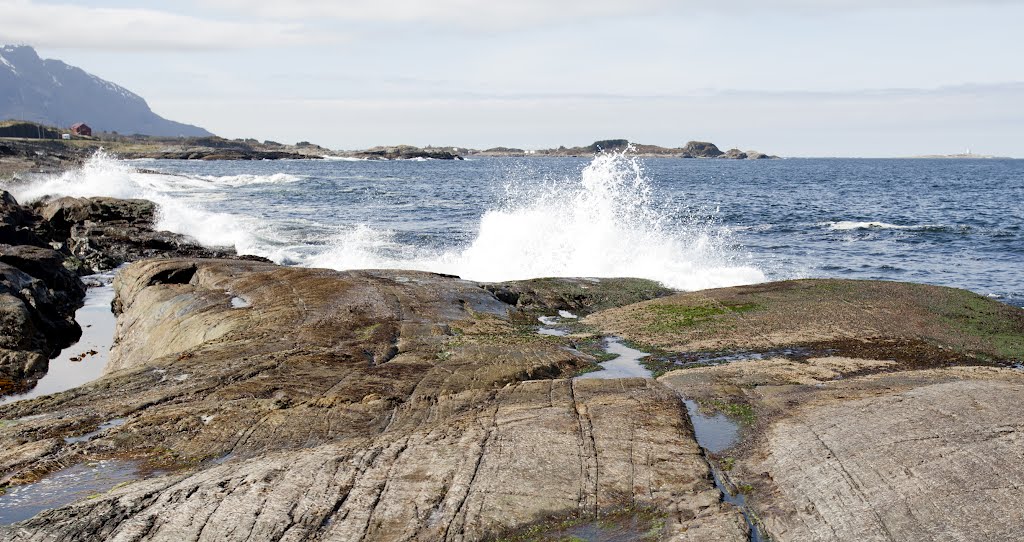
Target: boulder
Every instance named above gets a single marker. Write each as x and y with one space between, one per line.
48 266
35 317
20 225
64 213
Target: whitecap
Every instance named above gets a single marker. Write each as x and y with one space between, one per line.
601 224
248 179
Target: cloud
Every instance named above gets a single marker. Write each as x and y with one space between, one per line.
489 14
105 28
870 123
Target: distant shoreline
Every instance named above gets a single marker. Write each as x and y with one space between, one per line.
52 153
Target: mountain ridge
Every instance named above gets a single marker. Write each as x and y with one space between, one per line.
52 92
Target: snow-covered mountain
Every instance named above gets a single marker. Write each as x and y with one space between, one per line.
52 92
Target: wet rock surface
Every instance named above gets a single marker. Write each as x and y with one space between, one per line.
867 410
44 249
580 296
384 405
38 296
104 233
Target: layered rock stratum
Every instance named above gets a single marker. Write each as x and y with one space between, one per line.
385 405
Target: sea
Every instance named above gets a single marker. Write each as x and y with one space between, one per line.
688 223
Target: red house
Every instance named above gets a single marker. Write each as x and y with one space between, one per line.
81 129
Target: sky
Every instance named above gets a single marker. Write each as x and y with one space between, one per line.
789 77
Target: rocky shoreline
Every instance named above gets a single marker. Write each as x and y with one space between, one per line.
20 156
249 401
45 249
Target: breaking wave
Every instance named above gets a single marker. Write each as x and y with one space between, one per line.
177 198
845 225
244 180
601 223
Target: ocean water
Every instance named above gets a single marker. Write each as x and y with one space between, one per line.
690 224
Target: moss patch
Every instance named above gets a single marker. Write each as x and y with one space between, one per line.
741 412
673 317
626 523
1000 326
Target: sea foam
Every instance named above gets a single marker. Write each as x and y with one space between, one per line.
177 199
600 223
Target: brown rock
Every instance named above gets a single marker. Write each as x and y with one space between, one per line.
385 405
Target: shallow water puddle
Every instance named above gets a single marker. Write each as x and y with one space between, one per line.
548 320
626 365
739 501
549 326
239 303
628 529
116 422
65 487
714 433
85 360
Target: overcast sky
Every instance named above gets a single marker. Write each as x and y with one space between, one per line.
790 77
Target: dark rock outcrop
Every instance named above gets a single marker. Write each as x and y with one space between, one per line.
609 145
20 225
224 154
66 212
103 233
547 296
700 149
38 296
405 152
40 288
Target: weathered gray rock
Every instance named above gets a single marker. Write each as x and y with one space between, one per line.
384 405
938 461
869 410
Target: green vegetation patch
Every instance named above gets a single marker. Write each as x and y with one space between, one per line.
999 326
594 346
674 317
741 412
626 523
